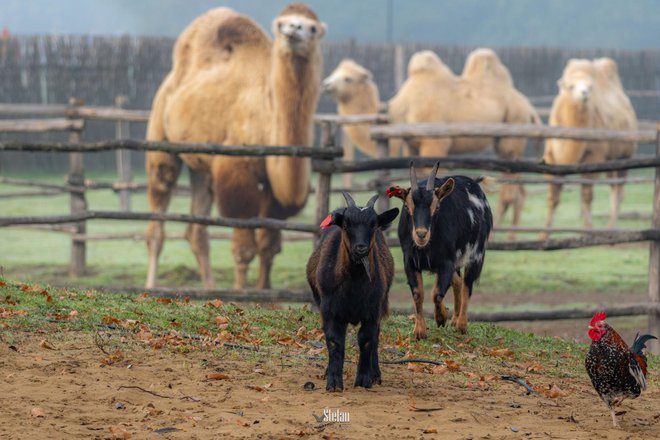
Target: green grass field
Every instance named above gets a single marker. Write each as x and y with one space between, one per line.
30 308
39 256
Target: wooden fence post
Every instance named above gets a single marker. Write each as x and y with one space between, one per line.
654 261
123 158
323 184
382 176
78 200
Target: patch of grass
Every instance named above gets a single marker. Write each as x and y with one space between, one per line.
39 256
32 308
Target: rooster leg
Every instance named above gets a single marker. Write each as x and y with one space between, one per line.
614 421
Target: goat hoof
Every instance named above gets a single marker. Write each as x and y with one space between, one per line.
364 380
460 327
334 384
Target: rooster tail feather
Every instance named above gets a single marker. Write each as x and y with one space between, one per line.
639 343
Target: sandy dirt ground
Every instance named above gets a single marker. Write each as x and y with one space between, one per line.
63 389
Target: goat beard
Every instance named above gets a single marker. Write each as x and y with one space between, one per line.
365 263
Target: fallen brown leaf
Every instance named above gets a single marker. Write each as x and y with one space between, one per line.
215 303
45 344
500 352
452 365
554 392
217 376
38 412
120 432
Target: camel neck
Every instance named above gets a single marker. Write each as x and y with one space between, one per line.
295 90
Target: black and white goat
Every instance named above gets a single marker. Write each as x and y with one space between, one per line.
350 272
444 225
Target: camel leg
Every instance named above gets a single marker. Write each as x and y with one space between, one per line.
162 172
554 193
518 203
244 248
236 186
269 244
616 197
197 235
586 197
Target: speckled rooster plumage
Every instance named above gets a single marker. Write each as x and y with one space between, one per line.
617 371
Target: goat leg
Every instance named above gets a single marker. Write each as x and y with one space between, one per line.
368 342
335 337
417 289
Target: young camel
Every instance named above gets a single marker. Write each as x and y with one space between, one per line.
433 93
230 84
591 96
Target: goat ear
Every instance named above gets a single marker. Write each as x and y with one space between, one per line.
397 191
445 189
387 217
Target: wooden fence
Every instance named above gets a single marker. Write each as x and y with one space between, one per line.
326 163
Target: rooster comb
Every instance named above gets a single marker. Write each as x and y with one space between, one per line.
600 316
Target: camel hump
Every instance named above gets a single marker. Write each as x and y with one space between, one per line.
239 30
299 9
484 64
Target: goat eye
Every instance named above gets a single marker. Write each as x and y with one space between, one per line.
313 29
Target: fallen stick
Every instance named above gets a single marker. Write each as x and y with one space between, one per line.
520 382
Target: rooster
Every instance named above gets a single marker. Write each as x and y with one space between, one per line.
617 372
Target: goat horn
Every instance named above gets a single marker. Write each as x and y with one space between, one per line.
372 201
349 200
413 177
430 184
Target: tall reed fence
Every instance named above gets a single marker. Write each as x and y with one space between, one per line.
49 69
326 162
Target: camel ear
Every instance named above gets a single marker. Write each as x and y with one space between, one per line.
323 28
560 84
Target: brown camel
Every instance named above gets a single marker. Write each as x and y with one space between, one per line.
231 84
591 96
433 93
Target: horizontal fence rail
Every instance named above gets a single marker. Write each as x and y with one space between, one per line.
41 125
251 223
171 147
434 130
488 164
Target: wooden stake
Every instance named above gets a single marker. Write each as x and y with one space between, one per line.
78 203
654 261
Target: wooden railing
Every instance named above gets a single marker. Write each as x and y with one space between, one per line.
326 162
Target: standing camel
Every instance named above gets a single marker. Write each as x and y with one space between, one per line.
231 84
484 92
590 96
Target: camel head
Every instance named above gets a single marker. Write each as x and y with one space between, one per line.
298 30
347 81
577 82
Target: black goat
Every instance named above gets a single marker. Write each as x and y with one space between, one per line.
443 228
350 272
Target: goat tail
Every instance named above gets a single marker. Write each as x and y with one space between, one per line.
488 183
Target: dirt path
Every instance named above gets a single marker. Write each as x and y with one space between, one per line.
77 397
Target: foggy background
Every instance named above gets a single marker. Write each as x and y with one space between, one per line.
551 23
